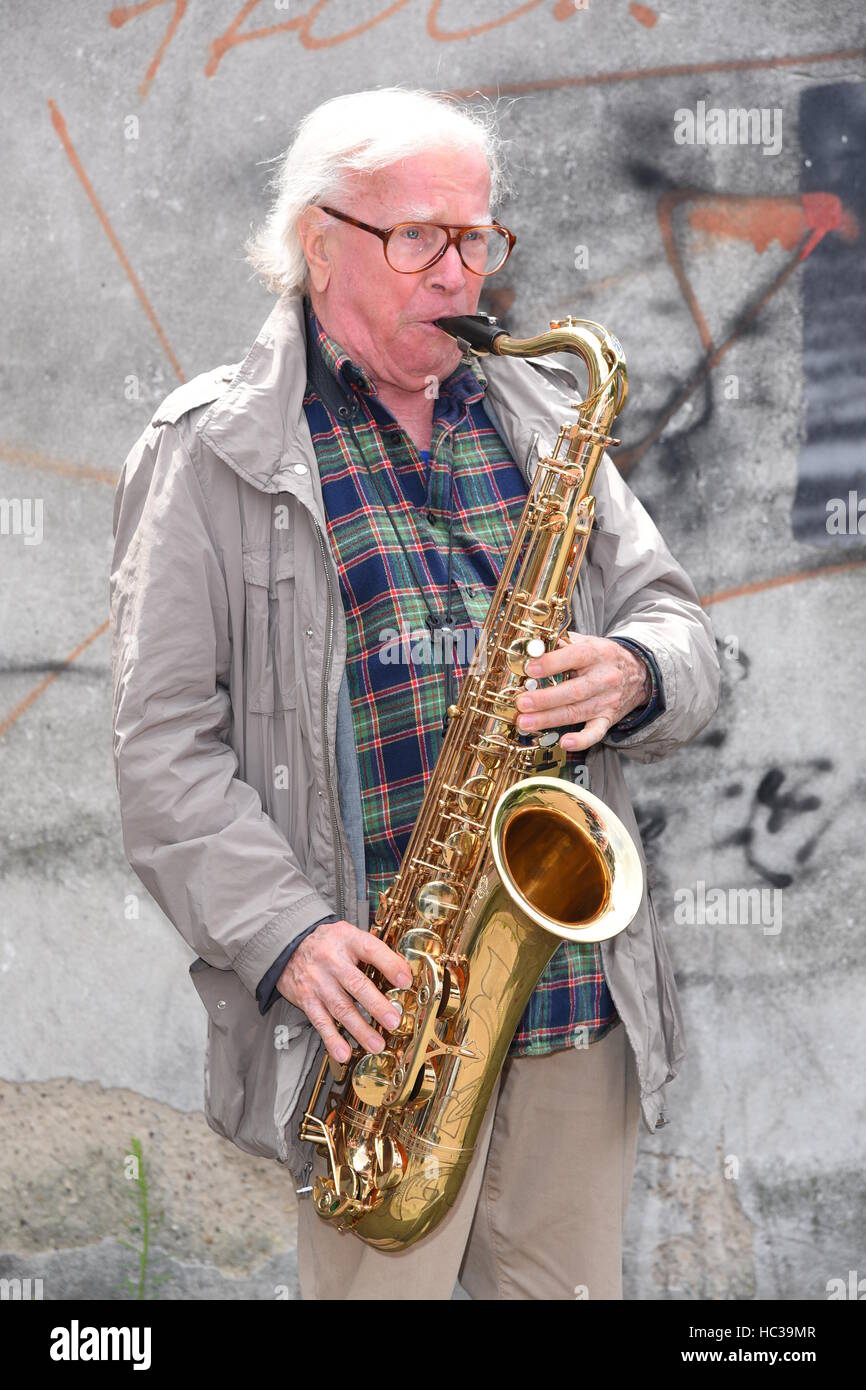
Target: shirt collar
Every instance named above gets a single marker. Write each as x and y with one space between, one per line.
467 383
348 373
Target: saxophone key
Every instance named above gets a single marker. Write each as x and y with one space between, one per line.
373 1077
390 1162
437 901
407 1004
423 1088
452 992
459 848
332 1197
474 794
520 651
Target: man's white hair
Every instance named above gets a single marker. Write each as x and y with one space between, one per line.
360 133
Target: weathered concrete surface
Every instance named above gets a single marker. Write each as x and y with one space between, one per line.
755 1188
772 1088
224 1225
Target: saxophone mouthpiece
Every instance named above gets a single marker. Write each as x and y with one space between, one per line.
474 332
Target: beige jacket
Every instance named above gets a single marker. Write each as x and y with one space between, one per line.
233 746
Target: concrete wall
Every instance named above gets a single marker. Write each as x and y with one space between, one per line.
735 279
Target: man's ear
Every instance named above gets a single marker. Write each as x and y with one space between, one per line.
314 230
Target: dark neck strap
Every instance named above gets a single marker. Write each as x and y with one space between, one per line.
321 378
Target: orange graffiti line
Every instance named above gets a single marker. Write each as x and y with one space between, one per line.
309 41
234 36
764 220
60 126
758 220
825 212
644 15
552 84
760 586
443 37
664 212
31 458
44 684
122 14
750 218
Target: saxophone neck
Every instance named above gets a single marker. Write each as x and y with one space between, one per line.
601 352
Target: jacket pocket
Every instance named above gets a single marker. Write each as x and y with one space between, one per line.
255 1065
270 644
221 992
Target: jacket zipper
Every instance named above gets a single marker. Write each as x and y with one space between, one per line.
326 677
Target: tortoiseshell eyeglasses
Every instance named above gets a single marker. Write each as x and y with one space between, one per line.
413 246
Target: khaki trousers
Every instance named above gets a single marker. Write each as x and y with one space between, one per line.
541 1210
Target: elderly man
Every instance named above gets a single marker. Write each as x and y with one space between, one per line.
356 475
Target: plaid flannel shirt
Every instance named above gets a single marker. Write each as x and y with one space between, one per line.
396 690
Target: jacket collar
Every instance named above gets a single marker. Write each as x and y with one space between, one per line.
259 428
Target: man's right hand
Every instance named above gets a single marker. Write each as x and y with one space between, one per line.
323 979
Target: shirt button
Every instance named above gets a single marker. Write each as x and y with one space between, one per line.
431 517
300 467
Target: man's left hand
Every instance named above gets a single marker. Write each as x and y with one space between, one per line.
609 681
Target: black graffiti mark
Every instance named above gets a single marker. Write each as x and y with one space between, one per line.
781 805
805 852
64 668
648 177
774 808
734 670
678 454
742 662
651 822
85 842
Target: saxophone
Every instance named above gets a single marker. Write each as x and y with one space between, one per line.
505 861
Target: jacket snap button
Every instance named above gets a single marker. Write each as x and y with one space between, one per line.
300 467
221 1003
309 632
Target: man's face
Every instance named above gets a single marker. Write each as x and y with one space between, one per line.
383 318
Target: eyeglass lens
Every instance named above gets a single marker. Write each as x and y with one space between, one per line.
413 245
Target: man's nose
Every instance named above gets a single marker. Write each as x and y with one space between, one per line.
449 271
